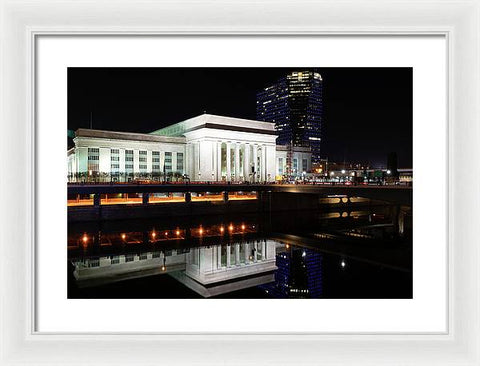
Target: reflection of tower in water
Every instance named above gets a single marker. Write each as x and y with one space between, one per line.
299 274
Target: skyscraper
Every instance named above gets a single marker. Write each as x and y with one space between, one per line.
294 104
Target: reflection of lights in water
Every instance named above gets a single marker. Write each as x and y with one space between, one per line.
123 236
343 263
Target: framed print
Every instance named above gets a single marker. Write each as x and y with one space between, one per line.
298 187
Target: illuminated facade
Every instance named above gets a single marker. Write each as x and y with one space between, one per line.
204 148
294 104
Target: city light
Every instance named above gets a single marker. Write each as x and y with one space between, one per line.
123 236
200 231
177 232
154 234
230 228
166 233
243 227
343 264
222 229
85 238
287 246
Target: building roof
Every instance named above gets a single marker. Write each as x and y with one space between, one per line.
114 135
216 122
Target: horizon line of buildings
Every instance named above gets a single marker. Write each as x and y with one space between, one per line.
205 148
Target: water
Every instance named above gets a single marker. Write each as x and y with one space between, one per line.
357 254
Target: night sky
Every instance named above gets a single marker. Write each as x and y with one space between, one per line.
367 111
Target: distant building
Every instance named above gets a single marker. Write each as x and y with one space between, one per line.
205 148
294 104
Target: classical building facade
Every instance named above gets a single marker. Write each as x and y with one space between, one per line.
204 148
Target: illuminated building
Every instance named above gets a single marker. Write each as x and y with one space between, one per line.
294 104
204 148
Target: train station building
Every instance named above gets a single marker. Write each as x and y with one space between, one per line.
204 148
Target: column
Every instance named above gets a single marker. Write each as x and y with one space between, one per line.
162 163
219 257
121 163
174 162
219 161
263 176
149 161
228 255
136 162
237 162
228 163
246 253
263 250
254 251
246 162
237 254
214 162
255 162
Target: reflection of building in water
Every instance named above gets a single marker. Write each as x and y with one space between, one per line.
99 270
209 271
299 274
225 262
220 269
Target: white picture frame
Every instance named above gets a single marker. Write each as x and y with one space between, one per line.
22 22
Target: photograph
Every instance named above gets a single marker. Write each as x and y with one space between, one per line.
240 183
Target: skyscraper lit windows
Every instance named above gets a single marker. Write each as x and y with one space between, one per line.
294 104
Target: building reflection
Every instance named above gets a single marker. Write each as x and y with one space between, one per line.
208 270
215 258
299 274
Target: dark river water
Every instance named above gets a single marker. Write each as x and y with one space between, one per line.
364 253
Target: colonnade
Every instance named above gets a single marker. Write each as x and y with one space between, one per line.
251 253
240 162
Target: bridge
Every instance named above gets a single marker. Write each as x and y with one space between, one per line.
399 194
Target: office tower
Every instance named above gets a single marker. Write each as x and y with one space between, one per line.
294 104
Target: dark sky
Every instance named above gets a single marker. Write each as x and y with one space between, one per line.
367 111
